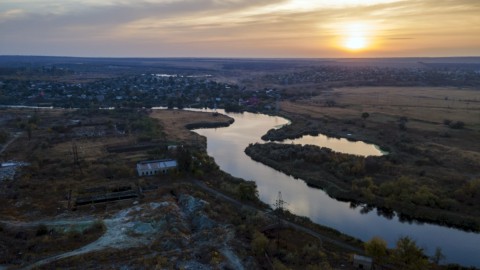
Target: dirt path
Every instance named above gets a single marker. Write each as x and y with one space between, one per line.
5 146
116 236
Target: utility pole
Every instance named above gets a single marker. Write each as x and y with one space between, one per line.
76 161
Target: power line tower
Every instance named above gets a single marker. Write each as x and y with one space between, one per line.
279 209
280 203
76 160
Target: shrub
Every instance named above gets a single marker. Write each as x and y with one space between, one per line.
259 243
41 230
3 136
377 249
408 255
457 125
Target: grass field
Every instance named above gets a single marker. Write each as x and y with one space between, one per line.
425 109
423 105
174 122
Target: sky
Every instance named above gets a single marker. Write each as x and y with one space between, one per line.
240 28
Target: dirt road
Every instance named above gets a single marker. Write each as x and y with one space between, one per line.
5 146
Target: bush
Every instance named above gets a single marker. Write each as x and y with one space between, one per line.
259 243
454 125
3 136
41 230
377 249
457 125
278 265
247 191
408 255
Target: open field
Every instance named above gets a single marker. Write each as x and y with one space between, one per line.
431 105
423 109
176 121
419 104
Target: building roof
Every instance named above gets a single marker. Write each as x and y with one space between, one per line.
156 164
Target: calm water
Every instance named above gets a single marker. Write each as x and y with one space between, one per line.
340 145
227 146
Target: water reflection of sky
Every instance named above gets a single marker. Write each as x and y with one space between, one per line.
340 145
227 146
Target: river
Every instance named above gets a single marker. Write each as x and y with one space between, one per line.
227 145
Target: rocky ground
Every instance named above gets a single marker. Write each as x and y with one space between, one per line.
175 229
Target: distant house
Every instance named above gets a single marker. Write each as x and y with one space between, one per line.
172 147
362 262
152 167
253 101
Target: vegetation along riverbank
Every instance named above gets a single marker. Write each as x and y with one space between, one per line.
430 172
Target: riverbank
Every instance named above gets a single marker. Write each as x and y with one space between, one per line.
436 163
349 178
178 123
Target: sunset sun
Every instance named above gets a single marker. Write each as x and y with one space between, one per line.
356 37
355 43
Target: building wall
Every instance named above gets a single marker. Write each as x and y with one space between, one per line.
362 265
151 172
147 172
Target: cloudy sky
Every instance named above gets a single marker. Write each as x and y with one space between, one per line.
240 28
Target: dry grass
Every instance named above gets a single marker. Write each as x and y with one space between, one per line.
317 109
425 107
174 122
89 149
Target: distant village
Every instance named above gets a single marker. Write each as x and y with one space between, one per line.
145 90
196 89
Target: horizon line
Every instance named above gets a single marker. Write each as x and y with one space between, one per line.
237 57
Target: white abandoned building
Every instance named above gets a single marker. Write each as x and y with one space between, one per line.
362 262
152 167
